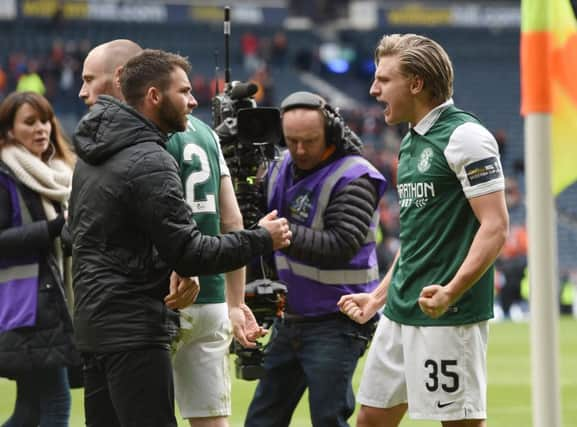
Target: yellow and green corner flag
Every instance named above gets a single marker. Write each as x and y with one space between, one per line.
549 79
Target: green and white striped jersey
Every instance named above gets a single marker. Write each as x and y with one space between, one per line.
199 157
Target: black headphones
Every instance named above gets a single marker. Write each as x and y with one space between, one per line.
336 131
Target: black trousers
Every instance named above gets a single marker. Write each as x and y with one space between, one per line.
129 389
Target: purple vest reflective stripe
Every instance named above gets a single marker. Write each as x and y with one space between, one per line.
313 291
18 275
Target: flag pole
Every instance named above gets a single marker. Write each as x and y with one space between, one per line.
543 272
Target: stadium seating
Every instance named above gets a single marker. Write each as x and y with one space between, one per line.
485 61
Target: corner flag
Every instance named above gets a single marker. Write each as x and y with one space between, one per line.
548 67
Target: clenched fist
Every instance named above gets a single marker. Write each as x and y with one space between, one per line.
278 229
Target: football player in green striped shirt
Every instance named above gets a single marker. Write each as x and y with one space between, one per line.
200 363
429 351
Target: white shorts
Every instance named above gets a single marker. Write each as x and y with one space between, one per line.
440 371
200 364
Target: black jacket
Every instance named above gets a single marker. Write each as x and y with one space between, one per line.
131 227
50 342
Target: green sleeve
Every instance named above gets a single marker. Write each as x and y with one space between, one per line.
174 147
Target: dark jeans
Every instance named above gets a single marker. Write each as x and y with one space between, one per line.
321 355
42 399
129 389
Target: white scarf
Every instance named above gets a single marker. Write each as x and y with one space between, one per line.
52 179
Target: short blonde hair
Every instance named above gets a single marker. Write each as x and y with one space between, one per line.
423 57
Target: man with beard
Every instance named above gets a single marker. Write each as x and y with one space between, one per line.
201 371
130 227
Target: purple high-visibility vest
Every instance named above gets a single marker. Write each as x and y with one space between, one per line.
313 291
18 275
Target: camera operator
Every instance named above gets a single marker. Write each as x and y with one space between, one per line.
329 194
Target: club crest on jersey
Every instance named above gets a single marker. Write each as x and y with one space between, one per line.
425 160
300 207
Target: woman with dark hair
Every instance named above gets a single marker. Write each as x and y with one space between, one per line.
36 343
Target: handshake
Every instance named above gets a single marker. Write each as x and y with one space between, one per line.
184 290
278 229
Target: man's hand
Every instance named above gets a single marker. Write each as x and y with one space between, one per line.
244 326
278 229
183 291
434 301
359 307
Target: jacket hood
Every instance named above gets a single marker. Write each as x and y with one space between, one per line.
111 126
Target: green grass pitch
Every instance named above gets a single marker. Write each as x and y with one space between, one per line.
509 396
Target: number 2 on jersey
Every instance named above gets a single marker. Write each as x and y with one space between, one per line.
197 178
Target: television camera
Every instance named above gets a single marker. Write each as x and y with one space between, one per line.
266 298
249 138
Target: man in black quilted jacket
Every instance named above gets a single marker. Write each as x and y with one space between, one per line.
130 228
